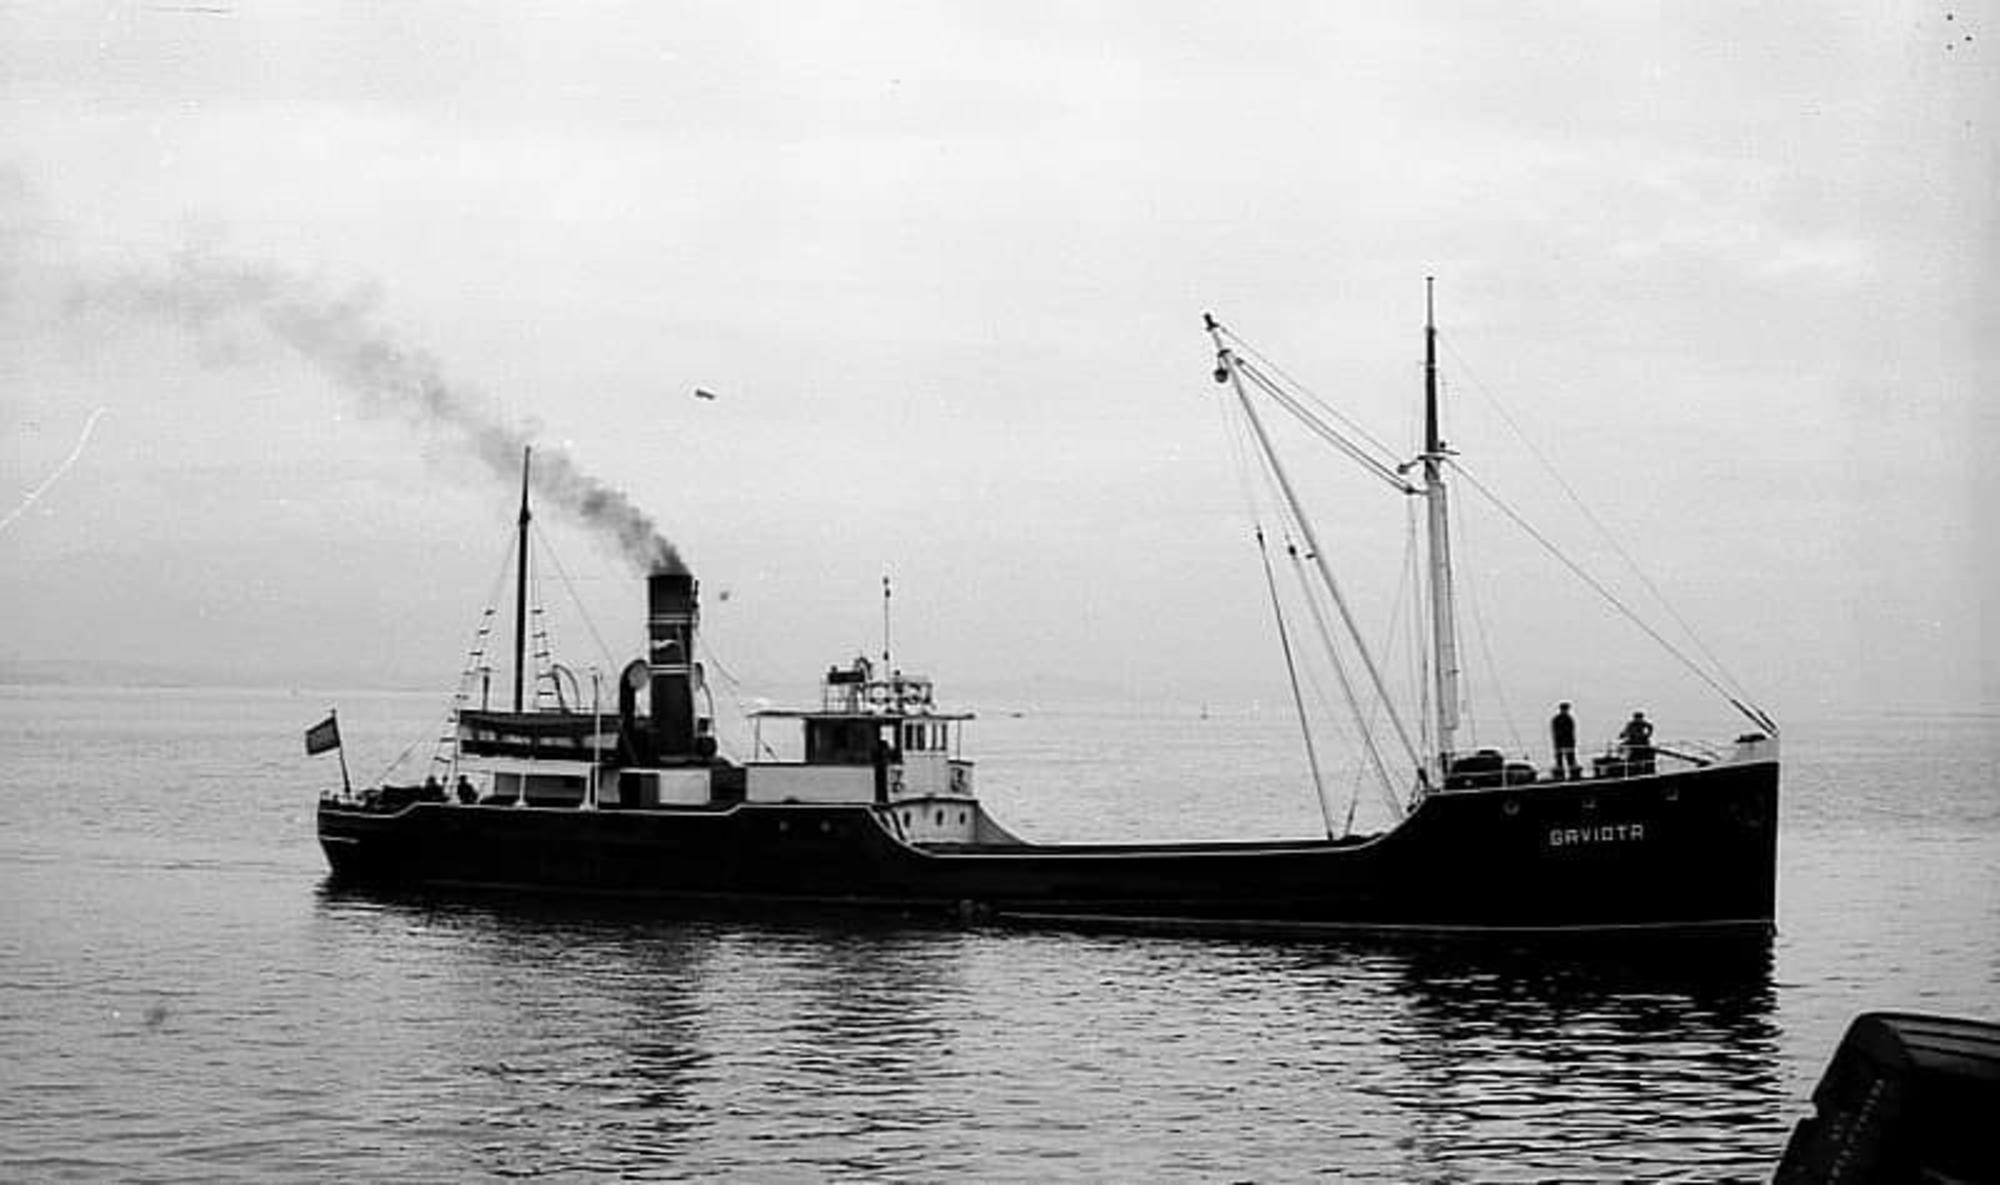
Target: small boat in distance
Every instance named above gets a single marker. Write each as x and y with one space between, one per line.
881 809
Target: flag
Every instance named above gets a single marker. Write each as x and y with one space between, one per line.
323 736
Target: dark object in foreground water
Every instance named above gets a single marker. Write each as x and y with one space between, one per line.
1906 1098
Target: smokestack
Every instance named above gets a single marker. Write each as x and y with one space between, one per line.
671 613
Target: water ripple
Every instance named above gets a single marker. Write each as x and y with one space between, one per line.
182 999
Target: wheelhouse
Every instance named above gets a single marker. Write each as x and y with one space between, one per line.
873 739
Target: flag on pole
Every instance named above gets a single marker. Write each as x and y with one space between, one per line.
323 736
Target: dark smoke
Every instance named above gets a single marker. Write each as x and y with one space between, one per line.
341 335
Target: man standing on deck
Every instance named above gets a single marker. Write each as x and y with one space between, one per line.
1637 739
1562 731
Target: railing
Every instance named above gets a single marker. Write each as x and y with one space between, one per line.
897 694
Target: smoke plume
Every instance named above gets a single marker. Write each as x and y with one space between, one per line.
341 336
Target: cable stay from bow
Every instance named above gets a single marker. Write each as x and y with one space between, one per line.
1749 711
1724 681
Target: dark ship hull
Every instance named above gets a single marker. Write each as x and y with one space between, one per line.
881 811
1692 849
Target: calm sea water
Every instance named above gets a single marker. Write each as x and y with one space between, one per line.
182 997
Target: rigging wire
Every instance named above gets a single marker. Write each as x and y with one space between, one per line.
1385 470
1592 582
1364 722
1346 682
1608 535
1464 568
408 749
447 729
731 685
583 611
1229 369
1309 395
493 595
1235 431
1322 703
1420 624
1292 672
1406 581
1407 573
1291 503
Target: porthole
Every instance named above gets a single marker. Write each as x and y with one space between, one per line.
1589 804
1511 807
940 818
825 827
961 818
784 824
1673 794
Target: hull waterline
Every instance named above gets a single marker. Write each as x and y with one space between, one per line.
1681 850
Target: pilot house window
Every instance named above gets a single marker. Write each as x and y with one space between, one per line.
924 737
841 742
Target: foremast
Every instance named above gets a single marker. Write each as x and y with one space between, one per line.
1443 611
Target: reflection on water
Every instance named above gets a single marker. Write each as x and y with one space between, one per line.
1628 1057
176 1001
854 1044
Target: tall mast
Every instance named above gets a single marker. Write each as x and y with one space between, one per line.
521 589
1444 634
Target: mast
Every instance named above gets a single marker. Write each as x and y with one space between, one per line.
1444 634
521 588
885 625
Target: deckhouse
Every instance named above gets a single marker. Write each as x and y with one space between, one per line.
877 737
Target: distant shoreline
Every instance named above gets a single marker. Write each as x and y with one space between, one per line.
989 701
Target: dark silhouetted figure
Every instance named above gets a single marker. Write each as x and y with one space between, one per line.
882 756
1637 741
1562 733
466 794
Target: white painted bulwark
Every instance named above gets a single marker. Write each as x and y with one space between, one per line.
540 789
1761 748
924 775
681 787
809 783
935 821
647 788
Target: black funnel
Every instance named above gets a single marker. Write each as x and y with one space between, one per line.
671 613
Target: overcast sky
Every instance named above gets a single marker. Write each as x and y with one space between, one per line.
1730 268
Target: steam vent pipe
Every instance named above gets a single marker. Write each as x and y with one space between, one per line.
670 626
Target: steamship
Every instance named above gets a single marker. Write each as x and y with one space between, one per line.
880 810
